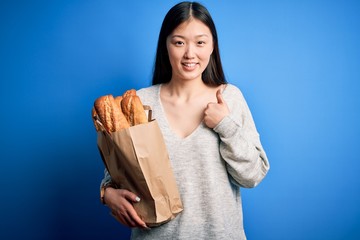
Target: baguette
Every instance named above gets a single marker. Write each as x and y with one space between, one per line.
94 118
118 113
110 114
118 100
104 108
137 109
133 110
121 122
126 107
127 98
131 92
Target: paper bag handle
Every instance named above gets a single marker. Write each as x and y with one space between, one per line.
101 126
149 112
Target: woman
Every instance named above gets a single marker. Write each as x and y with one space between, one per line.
208 129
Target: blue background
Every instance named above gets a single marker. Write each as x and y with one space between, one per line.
297 63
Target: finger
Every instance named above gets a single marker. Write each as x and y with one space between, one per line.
136 219
131 196
129 218
130 221
219 96
125 220
131 213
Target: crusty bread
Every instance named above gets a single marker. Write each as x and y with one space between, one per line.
133 109
118 113
122 122
131 92
126 108
126 105
99 106
118 100
94 117
110 113
138 112
104 107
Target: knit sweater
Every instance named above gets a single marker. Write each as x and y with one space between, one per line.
210 166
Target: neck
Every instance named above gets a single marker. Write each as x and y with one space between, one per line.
185 89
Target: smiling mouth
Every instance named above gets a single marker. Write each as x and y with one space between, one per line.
189 65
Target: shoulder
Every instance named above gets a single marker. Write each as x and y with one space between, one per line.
148 95
235 100
148 91
232 93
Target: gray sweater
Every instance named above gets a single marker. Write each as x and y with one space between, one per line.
210 166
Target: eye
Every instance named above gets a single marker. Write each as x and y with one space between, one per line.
179 43
201 43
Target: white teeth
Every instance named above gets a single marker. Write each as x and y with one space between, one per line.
189 64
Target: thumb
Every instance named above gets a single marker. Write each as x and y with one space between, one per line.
219 96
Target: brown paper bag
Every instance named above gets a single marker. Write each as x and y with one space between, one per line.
137 160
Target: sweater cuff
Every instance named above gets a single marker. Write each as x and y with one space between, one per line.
227 127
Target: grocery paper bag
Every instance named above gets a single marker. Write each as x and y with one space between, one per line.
137 160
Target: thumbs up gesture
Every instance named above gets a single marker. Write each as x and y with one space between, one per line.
215 112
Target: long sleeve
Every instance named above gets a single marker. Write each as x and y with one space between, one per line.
240 144
106 179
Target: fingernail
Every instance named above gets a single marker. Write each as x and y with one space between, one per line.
137 199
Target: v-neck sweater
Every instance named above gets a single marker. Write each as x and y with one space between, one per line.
210 166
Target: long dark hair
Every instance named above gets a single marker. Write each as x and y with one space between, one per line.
213 74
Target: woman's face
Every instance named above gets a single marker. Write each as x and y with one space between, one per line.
189 46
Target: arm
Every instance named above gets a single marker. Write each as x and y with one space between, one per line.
106 181
240 144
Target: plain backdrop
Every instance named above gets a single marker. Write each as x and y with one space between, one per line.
296 62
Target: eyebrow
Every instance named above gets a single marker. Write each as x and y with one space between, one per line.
197 36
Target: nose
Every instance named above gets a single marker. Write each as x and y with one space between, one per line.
189 52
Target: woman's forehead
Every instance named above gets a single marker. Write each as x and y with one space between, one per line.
193 27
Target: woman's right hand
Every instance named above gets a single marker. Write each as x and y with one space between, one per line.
120 201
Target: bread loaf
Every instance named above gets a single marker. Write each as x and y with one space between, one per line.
131 92
133 110
94 118
110 113
121 122
126 107
118 100
118 113
138 112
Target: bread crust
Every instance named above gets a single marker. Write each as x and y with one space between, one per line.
118 100
94 117
131 92
122 123
126 108
137 111
103 106
110 113
118 113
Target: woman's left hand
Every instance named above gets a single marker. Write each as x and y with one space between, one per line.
215 112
